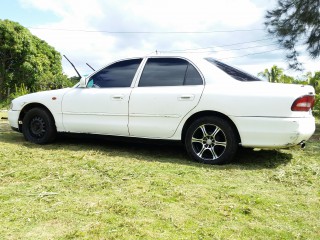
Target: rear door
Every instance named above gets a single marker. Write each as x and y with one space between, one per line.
168 89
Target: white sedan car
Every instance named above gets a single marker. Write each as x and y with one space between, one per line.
211 107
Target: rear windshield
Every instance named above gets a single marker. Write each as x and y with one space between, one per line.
233 72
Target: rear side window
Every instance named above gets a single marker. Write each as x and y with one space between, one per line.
192 76
119 74
169 72
233 72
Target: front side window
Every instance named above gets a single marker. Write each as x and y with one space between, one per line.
119 74
169 72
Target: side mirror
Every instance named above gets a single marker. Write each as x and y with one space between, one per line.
82 82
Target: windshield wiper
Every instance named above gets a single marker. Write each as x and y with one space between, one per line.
73 66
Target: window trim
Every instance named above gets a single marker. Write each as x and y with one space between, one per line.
144 62
87 78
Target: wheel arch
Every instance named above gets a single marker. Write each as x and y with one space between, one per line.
201 114
30 106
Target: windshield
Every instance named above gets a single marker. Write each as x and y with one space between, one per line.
233 72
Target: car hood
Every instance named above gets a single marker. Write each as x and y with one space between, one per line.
46 98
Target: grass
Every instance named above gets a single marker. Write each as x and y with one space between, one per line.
81 188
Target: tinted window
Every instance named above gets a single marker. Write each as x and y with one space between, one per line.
119 74
192 77
169 72
233 72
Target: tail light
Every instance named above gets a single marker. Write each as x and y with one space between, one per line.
303 104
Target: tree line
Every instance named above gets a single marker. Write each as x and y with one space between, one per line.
276 75
27 63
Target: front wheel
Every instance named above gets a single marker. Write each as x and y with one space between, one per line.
38 126
211 140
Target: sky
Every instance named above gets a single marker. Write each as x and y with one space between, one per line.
101 31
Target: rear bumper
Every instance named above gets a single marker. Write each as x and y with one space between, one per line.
274 132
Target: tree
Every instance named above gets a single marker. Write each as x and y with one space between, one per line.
314 80
286 79
272 75
74 79
27 60
295 23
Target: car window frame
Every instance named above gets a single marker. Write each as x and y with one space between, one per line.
144 62
117 61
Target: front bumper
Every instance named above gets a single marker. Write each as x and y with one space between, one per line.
13 117
267 132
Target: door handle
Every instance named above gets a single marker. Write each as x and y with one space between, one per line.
186 97
118 97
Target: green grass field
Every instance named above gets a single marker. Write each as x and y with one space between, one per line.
82 188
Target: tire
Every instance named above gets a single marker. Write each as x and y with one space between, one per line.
211 140
38 126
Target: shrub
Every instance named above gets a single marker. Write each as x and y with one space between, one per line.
316 108
19 91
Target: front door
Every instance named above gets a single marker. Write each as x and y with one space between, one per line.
101 107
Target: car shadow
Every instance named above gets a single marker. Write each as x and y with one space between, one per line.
258 159
152 150
169 151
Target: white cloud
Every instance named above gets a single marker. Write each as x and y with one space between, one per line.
192 15
72 10
98 48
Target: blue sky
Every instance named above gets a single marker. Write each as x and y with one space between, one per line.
15 10
99 31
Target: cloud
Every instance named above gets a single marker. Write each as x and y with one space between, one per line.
71 10
99 31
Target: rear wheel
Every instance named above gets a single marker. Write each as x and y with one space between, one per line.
38 126
211 140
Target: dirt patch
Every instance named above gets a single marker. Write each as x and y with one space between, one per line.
4 126
316 135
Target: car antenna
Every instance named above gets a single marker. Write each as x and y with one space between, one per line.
90 66
73 66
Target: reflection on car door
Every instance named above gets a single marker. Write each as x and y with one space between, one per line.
102 107
168 89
